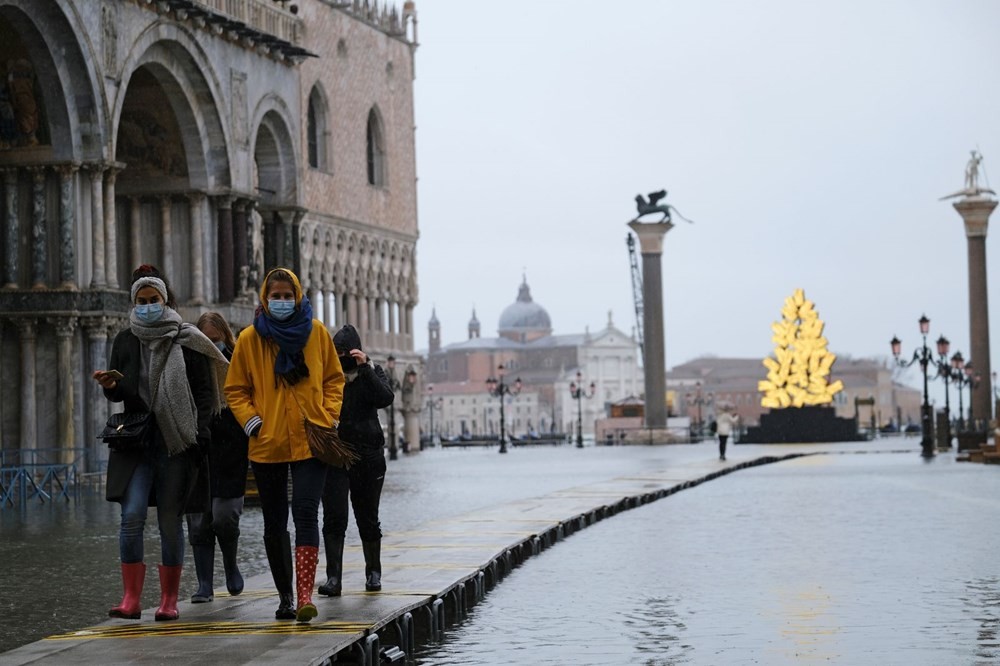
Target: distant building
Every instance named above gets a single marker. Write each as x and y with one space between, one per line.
707 381
546 364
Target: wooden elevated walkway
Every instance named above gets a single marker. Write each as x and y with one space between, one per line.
432 576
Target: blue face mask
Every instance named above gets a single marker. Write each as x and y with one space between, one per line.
280 310
220 345
149 313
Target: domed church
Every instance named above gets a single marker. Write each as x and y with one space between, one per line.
545 362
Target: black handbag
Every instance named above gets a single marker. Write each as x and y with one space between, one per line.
128 431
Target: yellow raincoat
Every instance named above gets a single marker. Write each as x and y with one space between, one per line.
254 391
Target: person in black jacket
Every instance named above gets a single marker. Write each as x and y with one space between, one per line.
367 390
227 465
170 369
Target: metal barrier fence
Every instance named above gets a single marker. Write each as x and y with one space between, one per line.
46 475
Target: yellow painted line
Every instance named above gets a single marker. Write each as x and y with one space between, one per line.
461 532
161 630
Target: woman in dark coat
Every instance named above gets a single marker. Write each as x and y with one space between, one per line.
227 465
366 391
172 370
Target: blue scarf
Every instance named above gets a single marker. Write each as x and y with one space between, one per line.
291 337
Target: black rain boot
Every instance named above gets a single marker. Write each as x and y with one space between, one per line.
234 579
204 568
373 564
279 558
334 565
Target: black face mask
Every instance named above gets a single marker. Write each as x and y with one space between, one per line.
348 363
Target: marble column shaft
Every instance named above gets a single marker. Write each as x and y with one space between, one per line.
64 368
29 404
10 182
97 356
198 227
67 226
110 229
39 229
167 236
240 256
227 280
135 233
98 272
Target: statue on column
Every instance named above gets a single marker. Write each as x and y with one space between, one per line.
972 187
654 206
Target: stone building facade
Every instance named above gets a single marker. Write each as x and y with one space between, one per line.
546 364
215 139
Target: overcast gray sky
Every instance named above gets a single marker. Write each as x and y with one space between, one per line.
809 142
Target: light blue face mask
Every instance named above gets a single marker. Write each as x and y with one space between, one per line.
280 310
220 345
149 313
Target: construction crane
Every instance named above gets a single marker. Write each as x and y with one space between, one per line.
636 292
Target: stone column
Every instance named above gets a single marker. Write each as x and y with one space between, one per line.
29 404
408 333
67 226
39 230
10 178
98 275
227 280
393 341
95 413
270 227
167 236
64 328
196 202
975 212
654 361
135 232
240 256
352 307
111 228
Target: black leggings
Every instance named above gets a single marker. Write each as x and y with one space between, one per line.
722 445
307 488
364 483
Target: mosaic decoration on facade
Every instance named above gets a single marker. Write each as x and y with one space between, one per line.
798 374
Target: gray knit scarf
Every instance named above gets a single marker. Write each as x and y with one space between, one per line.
173 403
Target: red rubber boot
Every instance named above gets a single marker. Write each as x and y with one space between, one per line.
306 558
170 583
133 576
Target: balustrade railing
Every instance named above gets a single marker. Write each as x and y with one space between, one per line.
263 15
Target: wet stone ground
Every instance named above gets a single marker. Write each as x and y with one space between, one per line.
854 559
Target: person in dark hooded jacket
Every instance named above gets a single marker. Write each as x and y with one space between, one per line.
366 391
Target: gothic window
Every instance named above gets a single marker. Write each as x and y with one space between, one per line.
375 144
316 130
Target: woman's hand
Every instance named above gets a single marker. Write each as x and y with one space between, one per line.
359 356
105 379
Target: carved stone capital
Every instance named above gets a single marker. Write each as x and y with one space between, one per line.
63 326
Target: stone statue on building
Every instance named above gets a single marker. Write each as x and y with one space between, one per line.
654 206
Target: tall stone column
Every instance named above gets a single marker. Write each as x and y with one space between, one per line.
167 236
227 281
270 229
240 253
11 244
39 229
111 227
975 211
196 202
393 341
135 233
67 226
64 328
96 411
654 361
29 404
98 276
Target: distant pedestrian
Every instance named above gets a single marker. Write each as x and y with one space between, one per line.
285 377
227 465
367 390
170 369
725 422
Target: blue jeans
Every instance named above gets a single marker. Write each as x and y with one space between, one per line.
169 477
307 489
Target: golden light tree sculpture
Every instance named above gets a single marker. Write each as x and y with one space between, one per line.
798 374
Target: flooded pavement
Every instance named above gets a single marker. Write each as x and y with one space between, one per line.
678 598
846 559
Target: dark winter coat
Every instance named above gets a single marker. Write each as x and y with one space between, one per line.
227 454
367 393
125 357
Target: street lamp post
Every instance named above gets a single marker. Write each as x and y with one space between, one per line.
698 400
498 389
958 375
577 393
971 379
923 356
944 372
394 385
411 403
433 404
